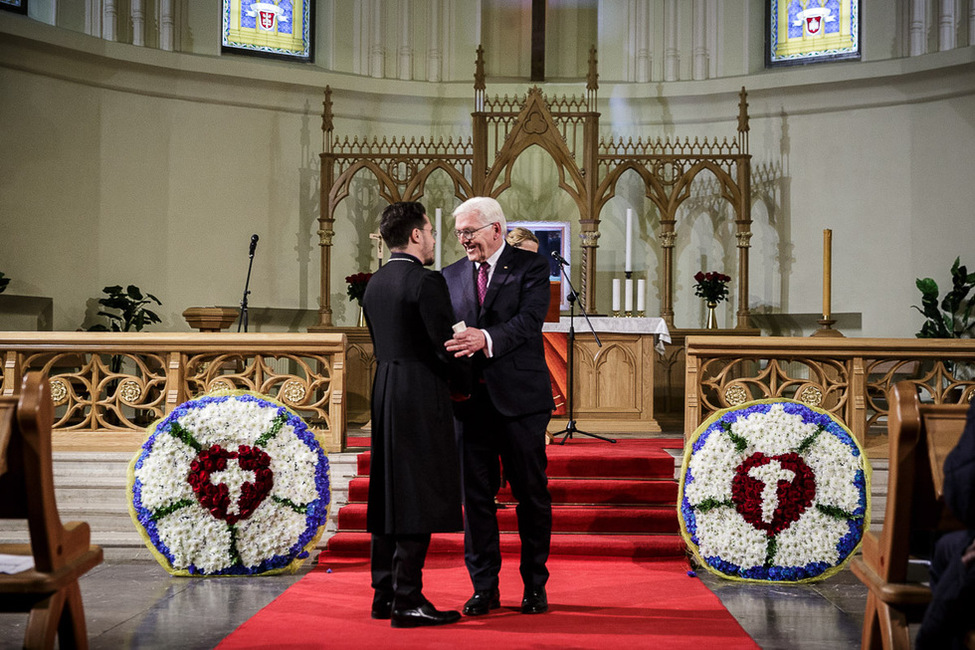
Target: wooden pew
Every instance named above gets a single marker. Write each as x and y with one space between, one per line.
61 553
920 437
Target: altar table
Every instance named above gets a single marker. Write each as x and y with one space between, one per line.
613 384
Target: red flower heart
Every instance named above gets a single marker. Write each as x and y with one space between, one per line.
215 497
795 490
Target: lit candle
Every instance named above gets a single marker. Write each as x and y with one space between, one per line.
641 289
628 294
616 294
628 266
438 225
827 263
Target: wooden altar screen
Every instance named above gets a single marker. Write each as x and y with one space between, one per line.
588 168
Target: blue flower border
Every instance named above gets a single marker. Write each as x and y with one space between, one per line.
845 547
316 514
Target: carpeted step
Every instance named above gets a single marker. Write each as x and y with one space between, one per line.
568 519
576 491
634 546
645 459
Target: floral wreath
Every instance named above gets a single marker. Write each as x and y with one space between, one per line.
231 483
774 490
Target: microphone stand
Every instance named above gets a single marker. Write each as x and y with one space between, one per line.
570 426
247 283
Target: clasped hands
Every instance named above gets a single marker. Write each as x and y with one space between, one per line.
466 342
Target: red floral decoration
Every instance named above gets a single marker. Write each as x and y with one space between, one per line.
216 498
793 497
712 286
357 285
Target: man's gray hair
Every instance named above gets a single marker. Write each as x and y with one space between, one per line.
488 210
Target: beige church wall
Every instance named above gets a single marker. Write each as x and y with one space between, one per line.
127 165
438 37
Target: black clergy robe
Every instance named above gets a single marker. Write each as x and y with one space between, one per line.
414 476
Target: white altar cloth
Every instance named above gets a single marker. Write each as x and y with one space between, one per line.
634 325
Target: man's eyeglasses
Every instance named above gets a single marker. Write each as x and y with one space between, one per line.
467 235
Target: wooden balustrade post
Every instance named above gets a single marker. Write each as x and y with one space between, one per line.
174 382
857 400
11 372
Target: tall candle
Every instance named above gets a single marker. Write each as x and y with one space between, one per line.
628 294
437 251
641 289
616 294
629 241
827 263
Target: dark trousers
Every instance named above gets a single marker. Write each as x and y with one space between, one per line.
397 567
486 436
948 618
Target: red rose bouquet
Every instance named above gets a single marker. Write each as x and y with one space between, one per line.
357 285
712 286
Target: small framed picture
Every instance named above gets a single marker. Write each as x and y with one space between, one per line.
17 6
810 31
552 236
273 28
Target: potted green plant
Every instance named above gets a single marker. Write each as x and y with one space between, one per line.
130 310
951 317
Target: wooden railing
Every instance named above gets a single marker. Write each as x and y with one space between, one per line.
849 377
107 387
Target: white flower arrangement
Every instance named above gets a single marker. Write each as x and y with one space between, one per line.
773 490
230 483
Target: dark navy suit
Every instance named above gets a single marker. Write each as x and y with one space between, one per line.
506 417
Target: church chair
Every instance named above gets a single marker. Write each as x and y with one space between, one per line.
61 553
919 438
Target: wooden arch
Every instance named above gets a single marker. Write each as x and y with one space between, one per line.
567 129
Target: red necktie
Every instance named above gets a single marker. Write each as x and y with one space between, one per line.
482 281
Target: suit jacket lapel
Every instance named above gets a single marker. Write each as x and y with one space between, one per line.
501 277
468 296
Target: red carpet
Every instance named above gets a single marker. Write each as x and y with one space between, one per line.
594 603
608 499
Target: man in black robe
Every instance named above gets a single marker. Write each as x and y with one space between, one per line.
414 483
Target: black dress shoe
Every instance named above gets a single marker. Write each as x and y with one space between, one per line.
382 606
482 602
422 615
535 601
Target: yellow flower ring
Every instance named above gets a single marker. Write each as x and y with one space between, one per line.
773 490
231 483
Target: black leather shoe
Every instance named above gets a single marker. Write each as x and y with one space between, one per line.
423 615
535 601
482 602
382 606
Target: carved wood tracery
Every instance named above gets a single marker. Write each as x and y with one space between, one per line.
567 129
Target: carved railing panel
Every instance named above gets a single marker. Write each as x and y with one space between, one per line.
118 383
850 378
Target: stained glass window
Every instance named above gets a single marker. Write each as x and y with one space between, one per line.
804 31
271 27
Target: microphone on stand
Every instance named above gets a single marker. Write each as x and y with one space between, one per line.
558 258
243 302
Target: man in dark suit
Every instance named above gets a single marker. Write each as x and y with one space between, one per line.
414 483
502 294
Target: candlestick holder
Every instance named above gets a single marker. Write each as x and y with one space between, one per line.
628 314
641 314
616 313
826 328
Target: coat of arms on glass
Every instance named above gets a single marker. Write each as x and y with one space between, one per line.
279 28
805 31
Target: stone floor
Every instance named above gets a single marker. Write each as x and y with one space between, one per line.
130 602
